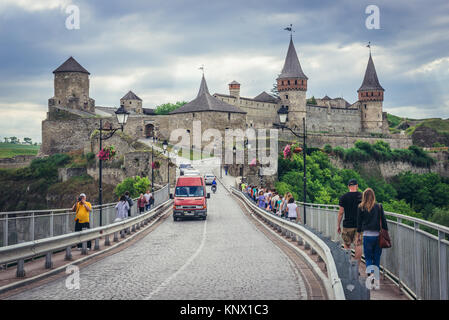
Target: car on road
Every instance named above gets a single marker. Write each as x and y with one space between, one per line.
191 172
190 198
208 178
183 167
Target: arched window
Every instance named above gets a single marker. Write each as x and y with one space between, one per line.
288 82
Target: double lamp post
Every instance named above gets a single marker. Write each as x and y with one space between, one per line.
122 118
283 112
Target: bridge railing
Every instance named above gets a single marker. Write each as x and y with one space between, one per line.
21 252
332 283
418 259
23 226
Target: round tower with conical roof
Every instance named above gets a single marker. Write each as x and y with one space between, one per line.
292 87
371 97
71 87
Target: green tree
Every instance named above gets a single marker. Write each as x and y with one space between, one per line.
135 185
440 216
312 100
27 140
274 91
166 108
13 140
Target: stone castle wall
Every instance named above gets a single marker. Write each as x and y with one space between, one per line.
16 162
346 141
209 120
392 168
258 114
329 120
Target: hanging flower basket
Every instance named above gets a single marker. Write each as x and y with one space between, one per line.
287 152
253 162
156 165
106 153
297 150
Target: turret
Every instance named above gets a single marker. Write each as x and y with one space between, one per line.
234 89
292 87
132 102
71 87
371 96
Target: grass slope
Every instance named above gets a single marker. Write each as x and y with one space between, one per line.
9 150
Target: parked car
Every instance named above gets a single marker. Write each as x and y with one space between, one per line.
183 167
208 178
190 198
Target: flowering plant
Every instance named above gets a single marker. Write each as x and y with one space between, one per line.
106 153
156 165
287 151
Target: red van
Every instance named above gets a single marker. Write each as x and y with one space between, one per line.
190 198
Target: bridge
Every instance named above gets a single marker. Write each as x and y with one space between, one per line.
239 252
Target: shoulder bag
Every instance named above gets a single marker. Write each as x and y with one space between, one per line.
384 236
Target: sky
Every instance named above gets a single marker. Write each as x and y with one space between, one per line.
155 47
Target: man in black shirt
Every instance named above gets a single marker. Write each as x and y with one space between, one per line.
348 205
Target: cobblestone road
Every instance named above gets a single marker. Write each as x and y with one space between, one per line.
224 257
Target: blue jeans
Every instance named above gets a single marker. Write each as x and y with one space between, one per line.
372 250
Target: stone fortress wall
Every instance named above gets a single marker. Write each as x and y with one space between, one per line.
330 119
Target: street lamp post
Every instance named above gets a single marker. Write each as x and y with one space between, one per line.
152 170
283 112
165 146
122 117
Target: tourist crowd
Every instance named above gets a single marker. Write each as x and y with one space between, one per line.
363 219
270 200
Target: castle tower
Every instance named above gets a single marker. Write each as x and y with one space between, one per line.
234 89
132 102
371 97
292 87
71 85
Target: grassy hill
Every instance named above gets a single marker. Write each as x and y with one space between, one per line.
37 187
424 132
9 150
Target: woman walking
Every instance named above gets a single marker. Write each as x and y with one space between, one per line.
122 208
261 200
284 210
293 210
141 202
370 215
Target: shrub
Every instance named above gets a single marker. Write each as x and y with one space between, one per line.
135 186
327 148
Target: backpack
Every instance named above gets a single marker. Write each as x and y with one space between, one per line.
130 202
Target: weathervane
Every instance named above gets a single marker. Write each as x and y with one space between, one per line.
290 29
201 68
369 46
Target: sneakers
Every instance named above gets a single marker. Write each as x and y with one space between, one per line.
376 285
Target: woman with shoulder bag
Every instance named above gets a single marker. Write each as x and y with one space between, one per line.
370 221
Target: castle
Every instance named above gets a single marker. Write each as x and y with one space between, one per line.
72 114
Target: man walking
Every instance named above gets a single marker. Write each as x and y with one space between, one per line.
148 196
82 209
348 205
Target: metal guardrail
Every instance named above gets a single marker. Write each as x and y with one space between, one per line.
23 226
333 286
22 251
418 260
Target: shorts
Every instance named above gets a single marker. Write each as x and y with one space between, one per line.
348 236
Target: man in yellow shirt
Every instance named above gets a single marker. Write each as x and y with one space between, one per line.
82 209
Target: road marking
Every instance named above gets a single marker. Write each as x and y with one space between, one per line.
188 262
